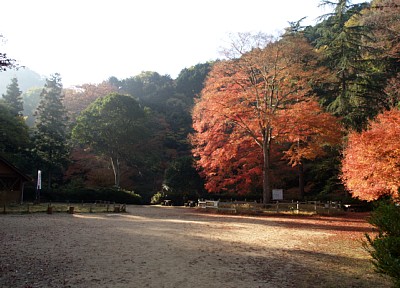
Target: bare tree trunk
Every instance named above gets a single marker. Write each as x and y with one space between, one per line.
116 170
267 193
49 180
301 181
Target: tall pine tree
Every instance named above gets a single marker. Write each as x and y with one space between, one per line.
51 129
14 138
350 92
13 97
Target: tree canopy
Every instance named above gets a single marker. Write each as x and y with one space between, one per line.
13 97
79 98
114 126
371 164
244 109
14 135
50 134
272 112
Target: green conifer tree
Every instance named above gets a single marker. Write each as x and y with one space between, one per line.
14 138
50 136
354 88
13 97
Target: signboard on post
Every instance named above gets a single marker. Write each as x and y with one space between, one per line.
38 185
39 180
277 194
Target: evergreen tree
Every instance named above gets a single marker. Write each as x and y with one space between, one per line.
50 136
351 92
14 138
31 100
190 81
383 22
13 97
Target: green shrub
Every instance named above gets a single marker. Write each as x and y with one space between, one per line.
385 247
88 195
156 198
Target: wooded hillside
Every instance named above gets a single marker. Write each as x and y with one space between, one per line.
272 113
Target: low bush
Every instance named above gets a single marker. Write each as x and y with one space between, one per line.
156 198
385 247
90 195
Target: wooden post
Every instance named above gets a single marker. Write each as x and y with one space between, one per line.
277 206
49 209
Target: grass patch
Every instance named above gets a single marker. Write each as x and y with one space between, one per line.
50 208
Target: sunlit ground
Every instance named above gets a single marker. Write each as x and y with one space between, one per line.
182 247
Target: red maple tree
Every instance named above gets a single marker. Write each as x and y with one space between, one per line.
309 132
371 164
244 109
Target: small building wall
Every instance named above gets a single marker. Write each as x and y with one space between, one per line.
11 183
10 197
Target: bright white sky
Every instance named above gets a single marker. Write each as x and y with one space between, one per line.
87 41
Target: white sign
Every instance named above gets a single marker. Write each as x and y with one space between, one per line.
39 180
277 194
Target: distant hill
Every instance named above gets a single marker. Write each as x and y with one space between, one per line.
27 79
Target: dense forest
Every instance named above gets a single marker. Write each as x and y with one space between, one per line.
286 112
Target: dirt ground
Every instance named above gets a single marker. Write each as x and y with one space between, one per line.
182 247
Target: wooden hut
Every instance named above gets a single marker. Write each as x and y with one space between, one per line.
11 183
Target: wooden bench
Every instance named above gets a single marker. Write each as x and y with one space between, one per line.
167 202
190 204
210 204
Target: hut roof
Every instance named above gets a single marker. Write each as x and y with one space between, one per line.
22 175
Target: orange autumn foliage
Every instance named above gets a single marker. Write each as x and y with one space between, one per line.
309 130
252 105
371 164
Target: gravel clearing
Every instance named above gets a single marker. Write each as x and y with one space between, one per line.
153 246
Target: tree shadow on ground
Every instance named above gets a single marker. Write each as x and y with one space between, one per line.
170 248
350 222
